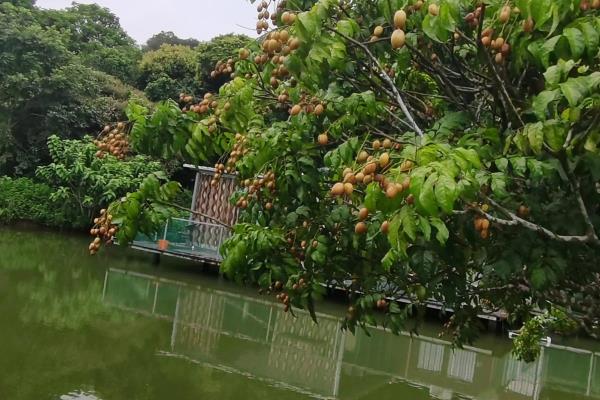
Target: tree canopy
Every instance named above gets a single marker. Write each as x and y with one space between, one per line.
441 151
156 41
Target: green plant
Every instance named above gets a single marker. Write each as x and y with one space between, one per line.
470 138
84 183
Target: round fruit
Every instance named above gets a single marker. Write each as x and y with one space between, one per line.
323 139
337 189
485 224
499 58
319 109
362 156
504 14
384 160
363 214
360 228
434 9
370 168
376 145
378 31
485 234
348 188
392 191
296 110
385 227
387 144
400 19
244 54
528 25
359 177
398 39
486 41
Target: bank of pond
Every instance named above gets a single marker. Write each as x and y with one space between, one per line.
117 327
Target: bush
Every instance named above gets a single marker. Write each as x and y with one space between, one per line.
23 199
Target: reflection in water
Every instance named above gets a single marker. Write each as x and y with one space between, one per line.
254 338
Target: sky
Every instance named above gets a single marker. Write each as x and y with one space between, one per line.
198 19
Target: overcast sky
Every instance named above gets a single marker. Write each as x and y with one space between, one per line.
199 19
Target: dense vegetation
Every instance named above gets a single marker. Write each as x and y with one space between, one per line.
441 150
63 75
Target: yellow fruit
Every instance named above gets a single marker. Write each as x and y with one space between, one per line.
296 110
434 9
370 168
504 14
387 144
348 188
406 166
376 145
499 58
486 41
244 53
392 191
362 156
400 19
384 160
363 214
319 109
360 177
485 224
323 139
360 228
398 39
337 189
378 31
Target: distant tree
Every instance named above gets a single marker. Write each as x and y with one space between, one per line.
217 49
45 89
96 35
156 41
166 72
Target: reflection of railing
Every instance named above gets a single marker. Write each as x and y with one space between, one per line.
187 238
254 337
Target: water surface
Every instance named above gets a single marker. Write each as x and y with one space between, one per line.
115 327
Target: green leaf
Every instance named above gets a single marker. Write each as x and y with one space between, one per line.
470 155
408 222
427 195
542 101
555 135
535 136
394 232
425 227
575 89
442 233
541 11
591 38
576 42
446 193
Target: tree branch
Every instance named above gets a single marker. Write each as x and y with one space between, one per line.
515 220
380 71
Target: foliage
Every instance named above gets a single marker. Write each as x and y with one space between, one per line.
84 183
22 199
44 87
168 71
447 154
217 49
156 41
94 33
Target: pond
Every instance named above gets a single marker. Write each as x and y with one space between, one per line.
116 327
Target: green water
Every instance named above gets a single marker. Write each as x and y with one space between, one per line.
115 327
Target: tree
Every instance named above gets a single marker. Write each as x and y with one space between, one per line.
45 89
97 36
219 48
83 183
443 151
156 41
167 72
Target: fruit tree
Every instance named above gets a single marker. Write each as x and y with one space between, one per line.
441 149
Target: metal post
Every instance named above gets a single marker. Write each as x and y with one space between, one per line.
175 322
340 359
105 283
195 195
589 385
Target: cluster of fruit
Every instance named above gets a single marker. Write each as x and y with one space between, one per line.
113 140
482 225
103 229
255 187
499 46
311 105
186 98
203 106
369 172
239 149
263 16
226 68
